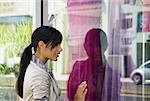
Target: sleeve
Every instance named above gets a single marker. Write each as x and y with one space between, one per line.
73 82
40 86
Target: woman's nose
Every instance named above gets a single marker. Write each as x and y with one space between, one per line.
61 49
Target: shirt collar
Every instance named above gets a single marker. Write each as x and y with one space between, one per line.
37 61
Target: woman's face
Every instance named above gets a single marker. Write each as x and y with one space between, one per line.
46 52
53 53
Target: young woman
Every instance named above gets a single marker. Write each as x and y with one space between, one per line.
35 80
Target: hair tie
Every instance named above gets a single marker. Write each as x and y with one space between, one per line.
32 49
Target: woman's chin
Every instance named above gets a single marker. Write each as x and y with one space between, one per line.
55 59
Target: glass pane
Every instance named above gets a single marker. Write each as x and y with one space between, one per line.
117 54
134 46
15 33
84 45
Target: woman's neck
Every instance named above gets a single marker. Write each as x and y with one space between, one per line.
41 58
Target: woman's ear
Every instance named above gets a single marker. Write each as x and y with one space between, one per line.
41 44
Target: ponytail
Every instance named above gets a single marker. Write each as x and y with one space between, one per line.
25 60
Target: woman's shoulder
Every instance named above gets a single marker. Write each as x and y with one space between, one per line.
35 75
79 63
34 70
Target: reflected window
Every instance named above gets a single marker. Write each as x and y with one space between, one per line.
139 22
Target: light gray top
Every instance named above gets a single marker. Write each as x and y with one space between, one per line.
39 83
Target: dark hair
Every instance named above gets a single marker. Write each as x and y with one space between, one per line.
46 34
